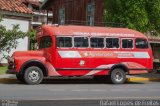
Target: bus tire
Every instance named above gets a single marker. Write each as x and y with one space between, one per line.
33 75
118 76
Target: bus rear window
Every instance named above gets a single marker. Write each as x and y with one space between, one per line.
141 43
81 42
112 42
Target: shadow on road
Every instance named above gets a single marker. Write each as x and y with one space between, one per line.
66 81
79 81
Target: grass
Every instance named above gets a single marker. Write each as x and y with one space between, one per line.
3 70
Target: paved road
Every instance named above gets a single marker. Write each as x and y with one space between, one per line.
70 89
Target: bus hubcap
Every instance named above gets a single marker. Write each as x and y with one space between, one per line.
118 76
33 76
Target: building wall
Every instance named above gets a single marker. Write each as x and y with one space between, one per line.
76 10
22 43
39 16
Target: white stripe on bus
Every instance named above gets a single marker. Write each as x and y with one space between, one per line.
69 54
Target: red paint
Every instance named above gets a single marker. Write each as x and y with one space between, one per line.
95 60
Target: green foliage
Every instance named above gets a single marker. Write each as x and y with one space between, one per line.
153 9
3 70
8 38
141 15
33 41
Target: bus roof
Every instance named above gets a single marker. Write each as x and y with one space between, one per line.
71 30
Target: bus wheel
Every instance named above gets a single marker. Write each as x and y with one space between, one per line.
33 75
118 76
20 77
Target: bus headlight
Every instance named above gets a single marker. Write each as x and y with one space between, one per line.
11 62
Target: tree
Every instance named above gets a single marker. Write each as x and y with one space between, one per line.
33 40
8 38
141 15
153 10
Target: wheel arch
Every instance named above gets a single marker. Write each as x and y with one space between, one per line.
121 66
34 63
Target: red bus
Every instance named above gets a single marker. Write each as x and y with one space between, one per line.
84 51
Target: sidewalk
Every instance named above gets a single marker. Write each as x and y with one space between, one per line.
8 78
144 77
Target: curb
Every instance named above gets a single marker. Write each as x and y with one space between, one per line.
7 80
138 79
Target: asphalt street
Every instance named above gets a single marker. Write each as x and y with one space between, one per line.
70 92
75 89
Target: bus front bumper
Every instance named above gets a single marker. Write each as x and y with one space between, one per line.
11 71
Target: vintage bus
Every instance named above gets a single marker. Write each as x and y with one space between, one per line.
83 51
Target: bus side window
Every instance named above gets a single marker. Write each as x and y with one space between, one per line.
141 43
97 42
127 43
45 42
81 42
64 42
112 42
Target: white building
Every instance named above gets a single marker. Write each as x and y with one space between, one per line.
15 13
39 16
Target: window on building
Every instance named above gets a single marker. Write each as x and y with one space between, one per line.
127 43
112 42
64 41
141 43
97 42
90 13
45 42
62 16
35 19
81 42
